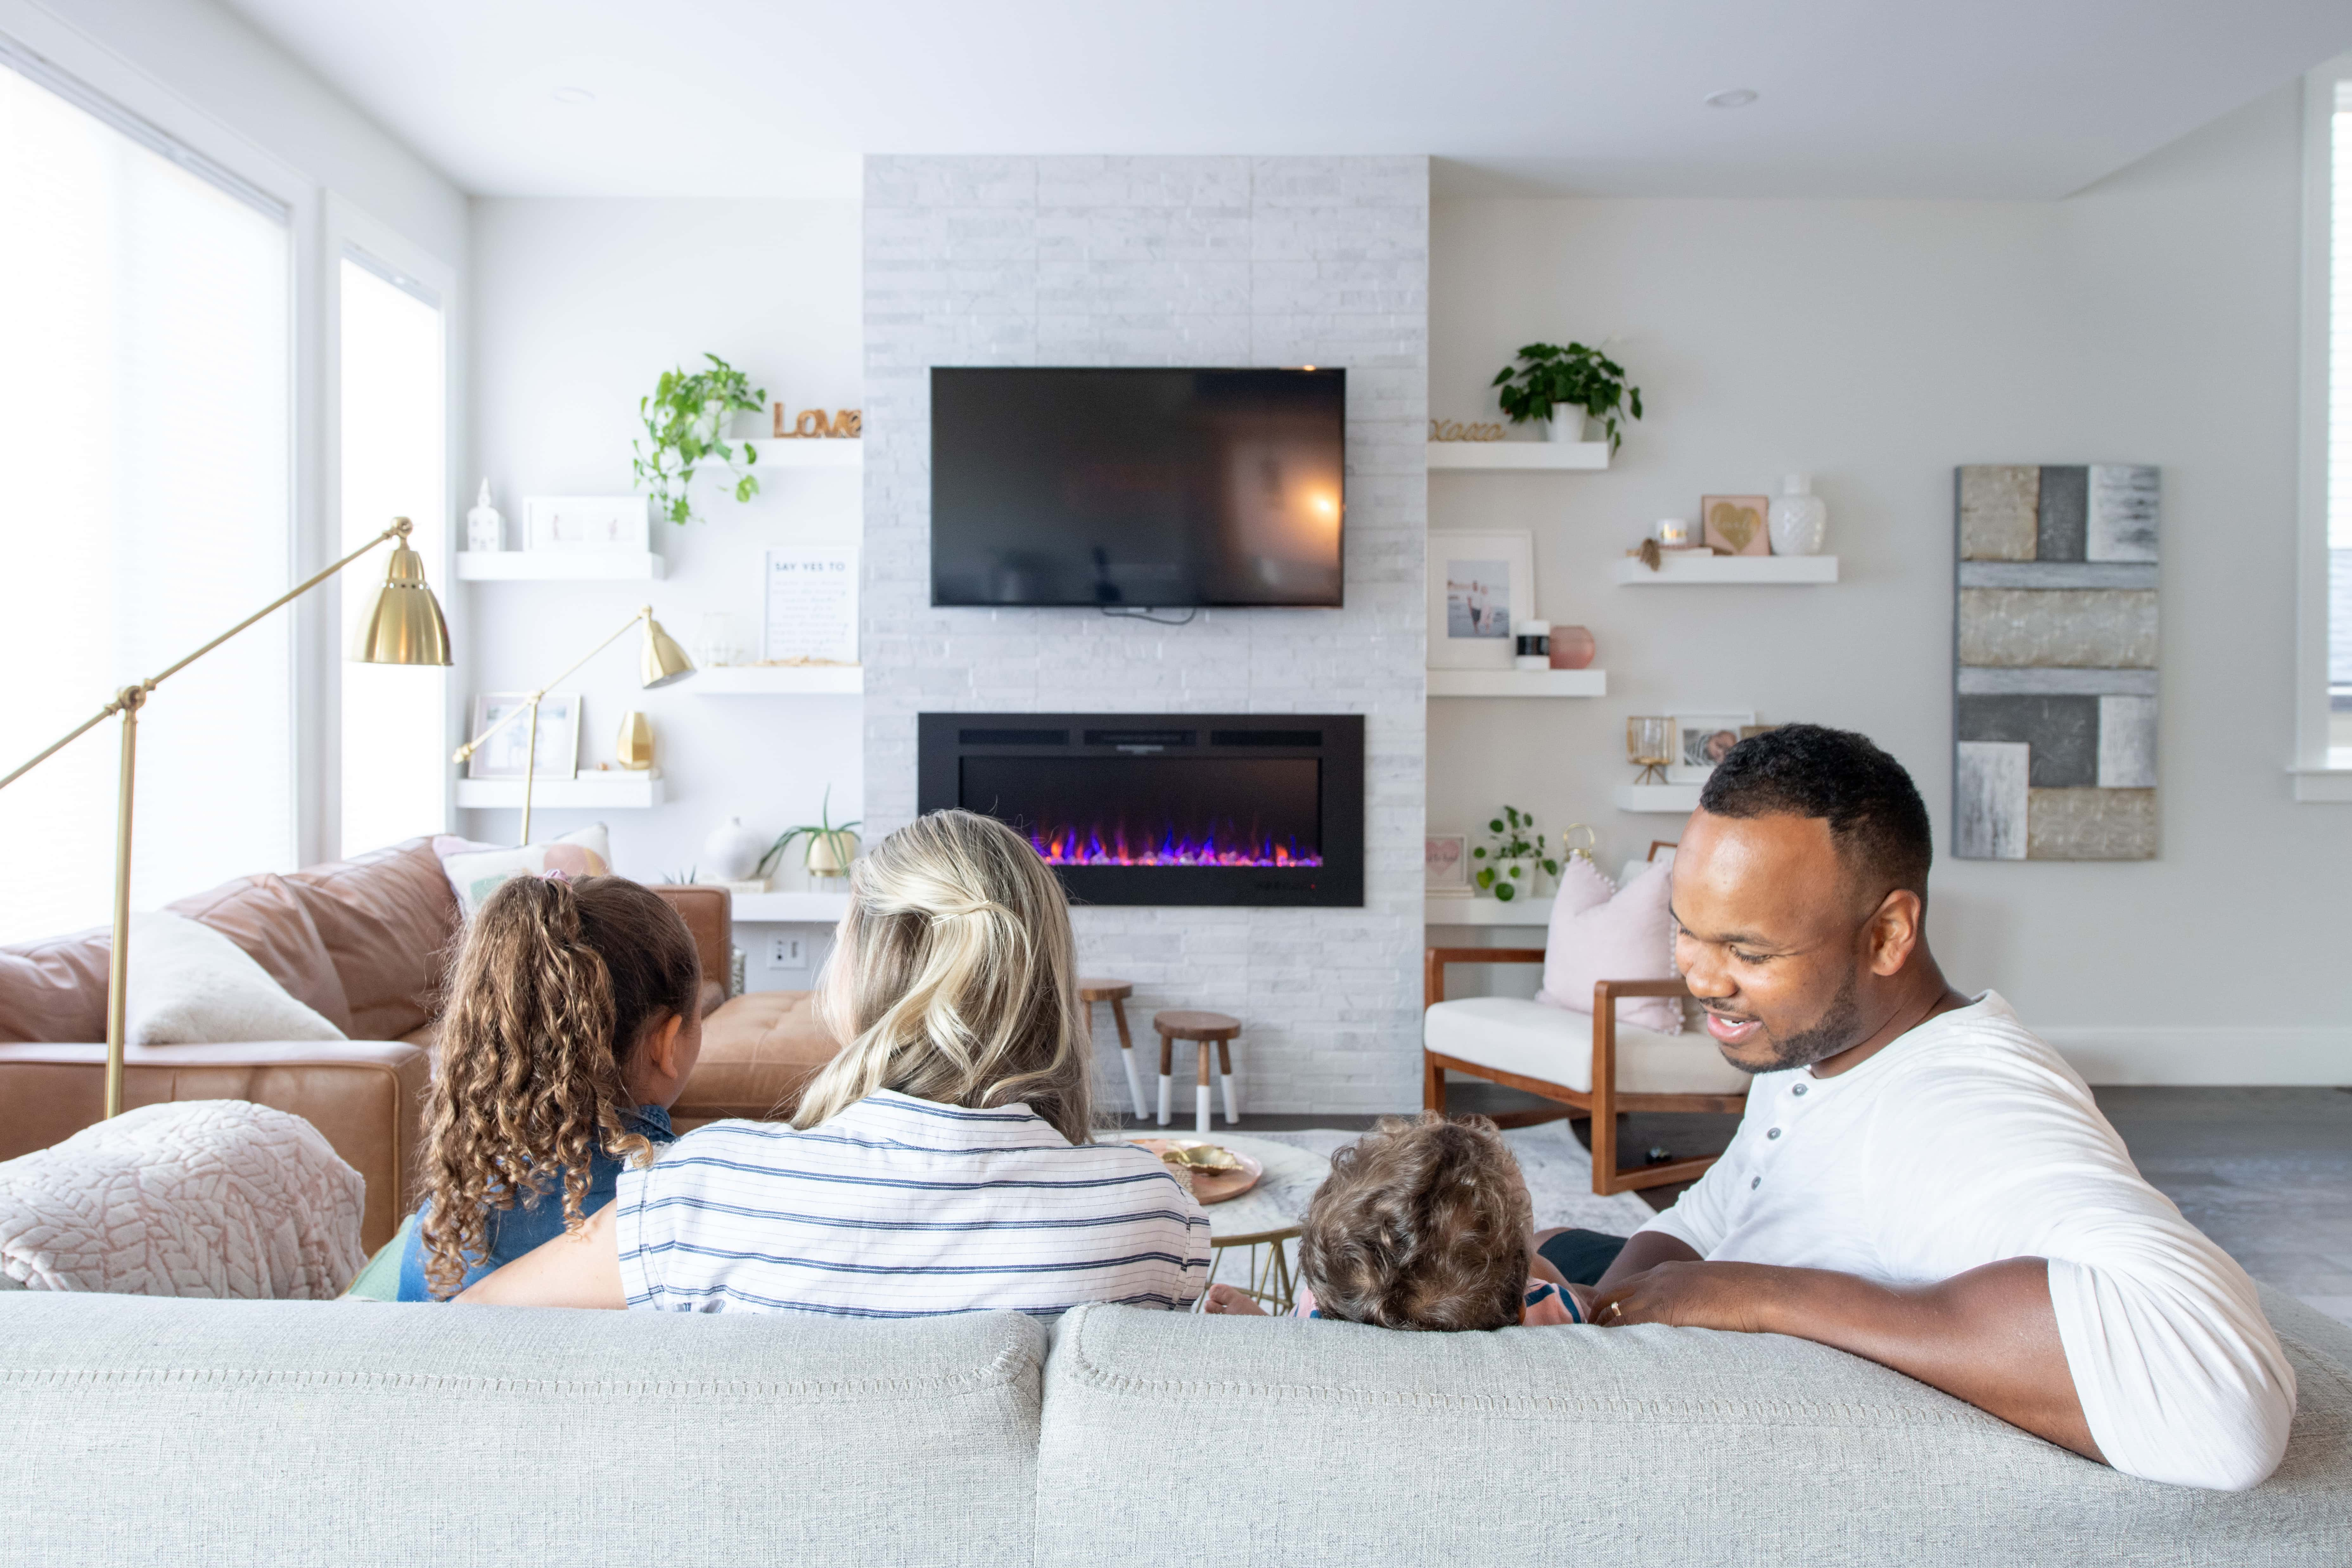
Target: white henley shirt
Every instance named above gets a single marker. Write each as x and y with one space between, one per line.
1968 1140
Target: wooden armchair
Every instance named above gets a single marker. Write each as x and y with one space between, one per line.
1535 1048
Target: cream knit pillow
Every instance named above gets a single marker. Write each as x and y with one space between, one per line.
190 985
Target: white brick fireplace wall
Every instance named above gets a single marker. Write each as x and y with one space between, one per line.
1163 261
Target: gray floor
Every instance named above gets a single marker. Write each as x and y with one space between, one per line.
2266 1172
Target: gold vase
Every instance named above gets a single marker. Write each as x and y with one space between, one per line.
634 746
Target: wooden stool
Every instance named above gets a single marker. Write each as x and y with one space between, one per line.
1116 993
1205 1029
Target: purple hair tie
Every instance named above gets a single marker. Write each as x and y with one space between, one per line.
556 875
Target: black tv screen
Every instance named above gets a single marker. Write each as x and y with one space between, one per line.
1145 488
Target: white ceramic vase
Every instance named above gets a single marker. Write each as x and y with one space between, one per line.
733 851
1566 424
1799 523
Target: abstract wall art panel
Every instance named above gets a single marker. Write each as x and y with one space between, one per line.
2054 663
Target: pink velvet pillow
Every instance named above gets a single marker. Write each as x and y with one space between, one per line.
1601 934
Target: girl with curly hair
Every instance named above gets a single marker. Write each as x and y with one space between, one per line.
569 1027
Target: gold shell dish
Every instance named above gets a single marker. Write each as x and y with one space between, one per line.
1207 1158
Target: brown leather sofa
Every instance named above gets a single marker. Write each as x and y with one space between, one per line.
364 943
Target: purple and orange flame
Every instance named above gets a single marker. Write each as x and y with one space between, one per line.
1089 847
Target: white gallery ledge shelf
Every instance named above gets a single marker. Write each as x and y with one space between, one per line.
1520 455
806 451
800 908
1679 799
1519 683
777 681
558 565
1678 571
1480 912
612 791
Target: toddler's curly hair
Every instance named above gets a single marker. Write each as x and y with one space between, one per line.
1424 1223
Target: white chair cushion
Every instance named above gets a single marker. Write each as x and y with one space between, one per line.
1532 1040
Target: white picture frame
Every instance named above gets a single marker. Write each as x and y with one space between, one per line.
597 525
1479 582
501 756
1445 865
1700 733
809 604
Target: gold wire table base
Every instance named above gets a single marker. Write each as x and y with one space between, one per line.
1271 1283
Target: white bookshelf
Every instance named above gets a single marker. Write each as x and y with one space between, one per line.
806 451
558 565
802 909
1483 911
1676 571
615 790
1520 455
1680 800
777 681
1519 683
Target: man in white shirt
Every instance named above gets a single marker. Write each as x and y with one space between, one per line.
1918 1179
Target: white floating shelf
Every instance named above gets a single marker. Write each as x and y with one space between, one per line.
612 791
1483 911
1587 455
802 909
1678 570
1519 683
1680 800
777 681
557 565
806 451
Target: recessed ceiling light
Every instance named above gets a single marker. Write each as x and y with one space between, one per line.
1731 98
581 95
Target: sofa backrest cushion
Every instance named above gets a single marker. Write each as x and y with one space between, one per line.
156 1431
266 917
386 917
1338 1443
54 990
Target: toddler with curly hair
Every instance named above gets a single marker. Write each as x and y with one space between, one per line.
569 1027
1424 1223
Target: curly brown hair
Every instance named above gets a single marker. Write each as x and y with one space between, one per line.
552 986
1424 1223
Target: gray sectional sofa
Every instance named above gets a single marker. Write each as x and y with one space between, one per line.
136 1431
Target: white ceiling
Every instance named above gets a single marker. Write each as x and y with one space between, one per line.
1877 98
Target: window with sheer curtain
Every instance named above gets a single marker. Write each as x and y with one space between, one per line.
2339 430
146 433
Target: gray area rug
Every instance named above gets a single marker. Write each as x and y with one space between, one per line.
1558 1171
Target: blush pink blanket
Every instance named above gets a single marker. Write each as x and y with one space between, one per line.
207 1197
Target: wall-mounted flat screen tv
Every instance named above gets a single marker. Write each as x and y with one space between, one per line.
1141 488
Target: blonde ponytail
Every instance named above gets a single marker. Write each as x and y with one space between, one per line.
955 979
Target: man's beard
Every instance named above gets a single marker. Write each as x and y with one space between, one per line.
1838 1028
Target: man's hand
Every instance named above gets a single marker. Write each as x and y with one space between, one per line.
1231 1301
1685 1295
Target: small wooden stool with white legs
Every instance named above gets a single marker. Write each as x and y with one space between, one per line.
1116 993
1205 1029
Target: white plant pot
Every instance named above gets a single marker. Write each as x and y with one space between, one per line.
1566 424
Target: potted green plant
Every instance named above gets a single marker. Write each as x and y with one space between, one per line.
831 844
1566 387
1517 846
686 423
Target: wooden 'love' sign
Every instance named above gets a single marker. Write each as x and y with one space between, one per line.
811 424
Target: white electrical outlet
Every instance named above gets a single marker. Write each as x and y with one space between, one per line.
787 953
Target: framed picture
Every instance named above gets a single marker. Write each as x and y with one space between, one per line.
501 756
811 603
1701 740
1445 860
1478 583
586 523
1737 523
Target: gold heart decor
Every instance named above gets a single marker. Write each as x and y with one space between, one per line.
1738 524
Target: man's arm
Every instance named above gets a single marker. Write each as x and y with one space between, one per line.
580 1268
1988 1336
1642 1251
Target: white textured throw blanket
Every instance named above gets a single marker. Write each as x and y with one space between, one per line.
205 1197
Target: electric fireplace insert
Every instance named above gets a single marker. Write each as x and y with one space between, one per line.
1165 808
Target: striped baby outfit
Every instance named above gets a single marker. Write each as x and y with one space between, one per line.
899 1207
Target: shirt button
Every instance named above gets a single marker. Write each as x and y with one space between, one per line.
1799 1088
1754 1182
1774 1134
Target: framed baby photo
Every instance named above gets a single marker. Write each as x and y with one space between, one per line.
1446 858
557 754
1739 525
1478 583
1701 740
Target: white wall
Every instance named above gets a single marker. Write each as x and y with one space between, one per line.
2150 318
581 306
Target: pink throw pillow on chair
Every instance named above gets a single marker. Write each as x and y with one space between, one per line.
1600 933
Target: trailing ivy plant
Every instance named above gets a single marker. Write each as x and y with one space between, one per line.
1547 374
1517 846
685 419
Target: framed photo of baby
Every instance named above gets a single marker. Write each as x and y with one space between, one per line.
1701 741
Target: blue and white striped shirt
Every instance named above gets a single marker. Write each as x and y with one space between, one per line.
898 1207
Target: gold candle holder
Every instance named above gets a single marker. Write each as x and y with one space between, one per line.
1649 746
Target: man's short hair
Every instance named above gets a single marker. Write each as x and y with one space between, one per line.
1422 1224
1877 818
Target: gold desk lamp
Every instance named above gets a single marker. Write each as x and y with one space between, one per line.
660 662
403 627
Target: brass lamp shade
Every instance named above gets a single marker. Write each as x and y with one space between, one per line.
403 625
662 662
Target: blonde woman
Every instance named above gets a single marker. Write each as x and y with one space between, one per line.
941 1164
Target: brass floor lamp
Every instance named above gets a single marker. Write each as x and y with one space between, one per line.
660 662
404 625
